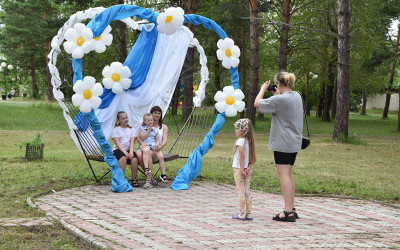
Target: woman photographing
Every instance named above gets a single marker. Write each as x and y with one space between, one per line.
285 136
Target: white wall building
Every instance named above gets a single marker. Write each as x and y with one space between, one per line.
378 102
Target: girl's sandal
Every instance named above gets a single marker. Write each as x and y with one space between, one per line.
147 185
287 218
154 182
164 178
135 183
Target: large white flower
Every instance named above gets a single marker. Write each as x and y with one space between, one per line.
87 94
228 53
78 40
105 39
169 21
116 77
229 101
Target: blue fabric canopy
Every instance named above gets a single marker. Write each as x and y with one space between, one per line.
138 61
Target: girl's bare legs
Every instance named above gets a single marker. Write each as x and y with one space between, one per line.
140 159
134 167
161 161
146 161
122 163
249 203
287 186
239 180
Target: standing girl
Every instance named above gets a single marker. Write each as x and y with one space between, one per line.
244 158
124 139
149 140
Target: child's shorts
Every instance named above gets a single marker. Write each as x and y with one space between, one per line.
119 154
152 147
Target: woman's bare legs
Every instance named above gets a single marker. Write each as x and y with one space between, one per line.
287 186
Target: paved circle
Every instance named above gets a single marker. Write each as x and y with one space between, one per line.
200 218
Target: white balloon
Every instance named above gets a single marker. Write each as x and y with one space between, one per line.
116 88
77 99
220 96
69 47
116 67
71 35
125 72
107 71
230 111
221 106
108 83
97 89
95 102
228 90
238 95
85 107
79 87
77 53
239 105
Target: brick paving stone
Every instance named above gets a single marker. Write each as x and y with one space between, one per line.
200 218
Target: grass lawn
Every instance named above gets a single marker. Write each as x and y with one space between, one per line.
326 167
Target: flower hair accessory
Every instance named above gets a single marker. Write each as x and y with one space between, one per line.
242 124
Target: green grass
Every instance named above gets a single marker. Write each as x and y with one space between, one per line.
366 167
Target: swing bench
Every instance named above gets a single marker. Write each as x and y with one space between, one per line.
191 134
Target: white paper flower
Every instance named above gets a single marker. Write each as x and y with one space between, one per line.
105 39
78 40
229 101
169 21
87 94
116 77
228 53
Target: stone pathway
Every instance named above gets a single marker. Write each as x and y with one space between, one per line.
200 218
25 222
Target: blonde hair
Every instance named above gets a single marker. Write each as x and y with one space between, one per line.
144 116
285 78
249 136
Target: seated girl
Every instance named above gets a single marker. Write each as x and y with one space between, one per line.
124 140
149 141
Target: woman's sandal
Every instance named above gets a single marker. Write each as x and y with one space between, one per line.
296 216
135 183
147 185
164 178
154 182
287 218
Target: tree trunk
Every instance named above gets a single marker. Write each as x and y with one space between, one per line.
364 102
389 88
343 77
254 62
398 115
307 95
333 106
188 88
284 49
50 96
35 89
320 104
329 93
243 66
